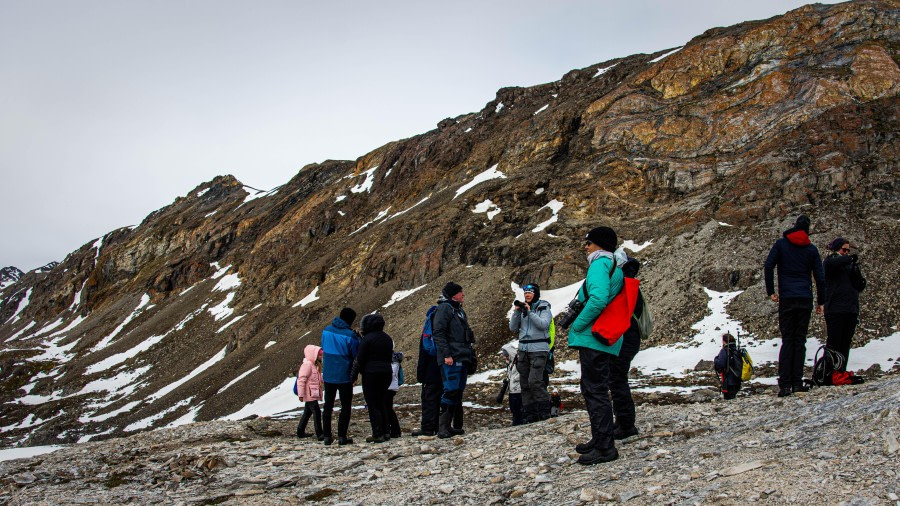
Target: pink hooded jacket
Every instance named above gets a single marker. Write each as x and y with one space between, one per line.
310 384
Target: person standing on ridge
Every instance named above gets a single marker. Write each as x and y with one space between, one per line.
340 345
453 339
531 321
376 350
604 280
844 281
797 261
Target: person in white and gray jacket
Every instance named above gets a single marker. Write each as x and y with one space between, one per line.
531 320
514 386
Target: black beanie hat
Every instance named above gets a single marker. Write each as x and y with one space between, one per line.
802 223
604 237
372 323
348 315
451 289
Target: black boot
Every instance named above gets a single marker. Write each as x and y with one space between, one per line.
423 432
583 448
444 421
457 422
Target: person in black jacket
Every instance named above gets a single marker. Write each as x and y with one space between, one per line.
797 261
428 373
844 281
376 349
453 339
729 364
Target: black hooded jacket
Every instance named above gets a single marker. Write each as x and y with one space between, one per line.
841 295
451 332
376 348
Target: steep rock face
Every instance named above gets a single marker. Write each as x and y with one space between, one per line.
747 125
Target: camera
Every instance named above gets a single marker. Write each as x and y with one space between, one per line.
517 303
572 312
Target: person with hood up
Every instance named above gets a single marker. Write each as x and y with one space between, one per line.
729 364
797 261
603 282
453 339
376 351
396 381
339 346
514 386
531 321
310 387
844 282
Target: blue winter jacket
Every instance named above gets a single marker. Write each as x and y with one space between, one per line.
339 346
798 262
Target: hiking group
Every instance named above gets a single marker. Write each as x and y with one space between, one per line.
606 322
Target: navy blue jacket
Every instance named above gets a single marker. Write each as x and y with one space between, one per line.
796 259
339 346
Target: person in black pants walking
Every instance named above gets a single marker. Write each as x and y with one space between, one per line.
797 261
374 363
844 281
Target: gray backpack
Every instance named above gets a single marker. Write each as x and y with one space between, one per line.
645 321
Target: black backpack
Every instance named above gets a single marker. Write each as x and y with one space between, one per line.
827 361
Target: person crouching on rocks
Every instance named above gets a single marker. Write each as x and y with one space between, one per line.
729 364
531 321
310 387
376 351
453 339
603 282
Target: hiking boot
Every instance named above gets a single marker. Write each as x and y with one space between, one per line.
395 435
800 388
320 437
444 423
624 433
375 439
457 422
327 440
784 392
345 441
302 435
422 432
598 455
583 448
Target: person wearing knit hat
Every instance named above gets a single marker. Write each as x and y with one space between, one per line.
453 339
797 261
530 321
603 282
340 344
844 281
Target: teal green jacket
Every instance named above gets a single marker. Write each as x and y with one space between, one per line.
602 290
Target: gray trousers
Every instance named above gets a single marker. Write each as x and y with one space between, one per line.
530 365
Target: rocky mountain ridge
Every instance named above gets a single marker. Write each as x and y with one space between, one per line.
707 151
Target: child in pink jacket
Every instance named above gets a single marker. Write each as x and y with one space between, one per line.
310 386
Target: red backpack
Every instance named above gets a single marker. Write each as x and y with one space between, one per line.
615 318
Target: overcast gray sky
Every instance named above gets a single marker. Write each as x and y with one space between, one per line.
109 109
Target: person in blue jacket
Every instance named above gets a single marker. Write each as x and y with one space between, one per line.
340 344
603 282
797 261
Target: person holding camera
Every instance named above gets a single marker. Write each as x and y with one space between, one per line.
603 282
531 321
843 282
453 339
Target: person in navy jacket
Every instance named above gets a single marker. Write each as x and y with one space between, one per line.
797 261
340 344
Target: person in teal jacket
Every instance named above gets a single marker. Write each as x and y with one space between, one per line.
603 282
